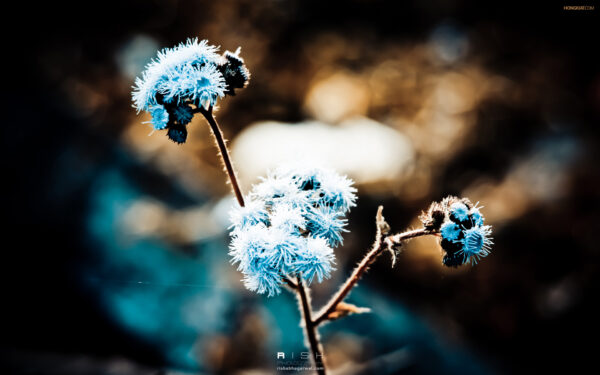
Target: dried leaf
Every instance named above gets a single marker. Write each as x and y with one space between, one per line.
382 225
344 309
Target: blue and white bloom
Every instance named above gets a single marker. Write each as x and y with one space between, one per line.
464 238
315 260
450 231
459 212
253 213
476 243
171 63
183 114
192 73
160 117
289 227
199 85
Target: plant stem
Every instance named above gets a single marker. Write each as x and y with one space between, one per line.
208 115
310 328
376 251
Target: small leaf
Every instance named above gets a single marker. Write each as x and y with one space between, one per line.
344 309
382 225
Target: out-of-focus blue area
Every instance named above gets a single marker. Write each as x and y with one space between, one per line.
178 300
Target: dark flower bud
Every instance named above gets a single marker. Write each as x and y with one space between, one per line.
183 114
177 133
464 238
453 260
434 217
450 247
234 71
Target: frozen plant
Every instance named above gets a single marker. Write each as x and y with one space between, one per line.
289 226
284 233
188 79
184 80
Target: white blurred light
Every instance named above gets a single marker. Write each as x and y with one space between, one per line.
364 149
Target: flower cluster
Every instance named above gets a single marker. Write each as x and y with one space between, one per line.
190 74
464 238
289 226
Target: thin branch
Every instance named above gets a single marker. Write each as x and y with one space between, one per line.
290 282
310 328
208 115
378 248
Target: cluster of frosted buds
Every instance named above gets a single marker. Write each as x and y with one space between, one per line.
289 226
463 236
183 79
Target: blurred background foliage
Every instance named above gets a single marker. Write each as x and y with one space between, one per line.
115 255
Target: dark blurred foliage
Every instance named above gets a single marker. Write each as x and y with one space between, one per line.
80 296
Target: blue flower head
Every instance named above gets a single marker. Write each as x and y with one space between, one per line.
293 220
160 117
183 114
464 238
322 187
476 216
459 211
327 223
253 213
450 231
288 218
476 243
316 260
191 73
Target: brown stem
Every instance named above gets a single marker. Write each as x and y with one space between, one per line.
208 115
378 248
290 283
310 328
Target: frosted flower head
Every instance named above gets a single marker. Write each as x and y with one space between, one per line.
183 114
450 231
322 187
288 218
191 73
315 260
476 243
253 213
160 117
459 212
326 223
234 71
463 236
293 220
200 86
